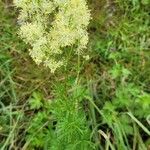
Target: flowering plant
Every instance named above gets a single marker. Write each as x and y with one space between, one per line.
50 26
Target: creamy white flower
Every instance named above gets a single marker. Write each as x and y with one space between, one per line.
50 26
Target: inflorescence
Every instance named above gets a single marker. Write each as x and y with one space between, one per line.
50 26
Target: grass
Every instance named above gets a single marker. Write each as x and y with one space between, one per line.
103 103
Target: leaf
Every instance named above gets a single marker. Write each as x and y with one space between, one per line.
36 101
116 71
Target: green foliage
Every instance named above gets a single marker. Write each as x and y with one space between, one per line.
36 101
60 124
102 104
71 129
119 71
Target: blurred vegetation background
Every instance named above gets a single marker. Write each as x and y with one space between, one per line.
109 106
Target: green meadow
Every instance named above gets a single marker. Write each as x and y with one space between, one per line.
102 103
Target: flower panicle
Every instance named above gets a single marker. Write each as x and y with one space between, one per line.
49 26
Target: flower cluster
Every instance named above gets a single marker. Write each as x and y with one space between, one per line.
50 26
